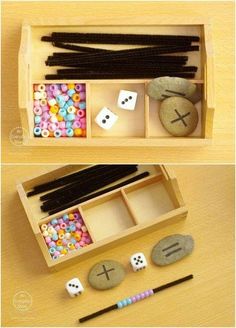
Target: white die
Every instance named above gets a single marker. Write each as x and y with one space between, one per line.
74 287
106 118
127 99
138 261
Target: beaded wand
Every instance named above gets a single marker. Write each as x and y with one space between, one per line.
133 299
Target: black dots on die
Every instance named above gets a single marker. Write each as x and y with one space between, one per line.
123 102
103 121
130 97
77 286
107 117
69 285
126 99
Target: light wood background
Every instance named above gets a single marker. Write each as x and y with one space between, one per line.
207 300
222 17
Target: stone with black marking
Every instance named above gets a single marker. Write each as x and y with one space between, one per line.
166 86
106 274
178 116
172 249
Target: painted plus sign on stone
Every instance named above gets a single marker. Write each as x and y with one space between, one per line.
105 271
106 274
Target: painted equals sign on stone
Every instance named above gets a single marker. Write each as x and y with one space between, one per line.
172 251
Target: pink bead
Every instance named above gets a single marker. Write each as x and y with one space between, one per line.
133 298
82 95
35 87
83 120
81 113
56 93
36 103
85 234
52 127
76 104
79 87
138 297
57 124
48 240
63 132
57 253
79 232
76 125
57 227
76 216
66 97
60 221
81 220
82 243
146 293
45 108
77 245
64 87
62 125
84 239
83 126
88 241
64 242
45 116
142 295
63 225
43 125
52 244
38 111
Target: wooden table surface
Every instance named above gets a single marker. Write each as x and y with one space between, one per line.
221 16
207 300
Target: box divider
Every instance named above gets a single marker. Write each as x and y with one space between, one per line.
128 206
146 111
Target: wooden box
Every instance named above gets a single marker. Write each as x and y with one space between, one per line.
114 217
136 128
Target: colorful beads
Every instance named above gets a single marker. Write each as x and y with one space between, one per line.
59 110
65 234
134 299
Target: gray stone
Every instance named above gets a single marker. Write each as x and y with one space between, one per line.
172 249
106 274
178 116
165 87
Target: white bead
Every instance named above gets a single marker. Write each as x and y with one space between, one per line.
37 95
67 235
71 109
45 233
52 102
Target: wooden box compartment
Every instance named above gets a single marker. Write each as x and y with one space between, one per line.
114 217
140 127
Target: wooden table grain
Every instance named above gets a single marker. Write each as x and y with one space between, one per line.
206 301
221 16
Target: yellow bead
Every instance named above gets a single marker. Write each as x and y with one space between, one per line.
59 242
76 97
77 237
54 109
71 217
64 251
59 118
78 132
71 86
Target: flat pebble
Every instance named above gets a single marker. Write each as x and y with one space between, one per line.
172 249
178 116
106 274
166 86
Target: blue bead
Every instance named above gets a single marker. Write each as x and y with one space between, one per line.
120 305
59 248
69 132
65 217
70 102
73 241
62 112
37 131
37 119
66 106
67 229
124 302
68 125
54 221
55 257
52 250
61 103
70 117
70 92
72 227
82 105
59 98
55 237
129 301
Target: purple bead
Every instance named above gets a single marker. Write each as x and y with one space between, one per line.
151 292
79 87
52 244
138 297
82 95
64 87
146 293
142 295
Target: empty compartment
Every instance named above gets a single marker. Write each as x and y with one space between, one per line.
130 123
149 200
156 129
107 216
65 234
